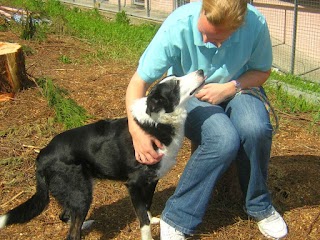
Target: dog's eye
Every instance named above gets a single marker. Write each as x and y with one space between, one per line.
161 100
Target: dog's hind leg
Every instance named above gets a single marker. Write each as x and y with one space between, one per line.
65 216
73 190
77 220
78 207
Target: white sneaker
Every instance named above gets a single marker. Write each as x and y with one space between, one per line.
273 226
169 233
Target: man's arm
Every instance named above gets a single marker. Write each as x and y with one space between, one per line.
253 78
215 93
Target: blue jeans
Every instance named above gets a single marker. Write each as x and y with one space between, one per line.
239 129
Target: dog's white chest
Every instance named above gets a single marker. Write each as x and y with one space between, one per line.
170 154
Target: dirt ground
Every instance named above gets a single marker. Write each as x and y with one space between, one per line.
26 124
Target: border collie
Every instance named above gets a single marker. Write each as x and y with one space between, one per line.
104 150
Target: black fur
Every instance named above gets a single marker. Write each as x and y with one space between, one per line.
67 165
165 96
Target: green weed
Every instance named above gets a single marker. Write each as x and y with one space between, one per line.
12 161
288 103
28 28
116 36
299 83
119 40
27 50
67 111
65 59
122 18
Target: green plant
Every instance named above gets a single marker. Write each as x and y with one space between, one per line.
122 18
67 111
123 41
65 59
3 25
296 81
117 39
27 50
284 101
28 27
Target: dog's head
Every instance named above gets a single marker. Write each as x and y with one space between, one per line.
172 92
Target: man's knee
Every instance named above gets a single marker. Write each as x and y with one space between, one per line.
226 143
257 131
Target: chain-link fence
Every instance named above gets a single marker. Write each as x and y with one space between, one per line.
295 31
294 27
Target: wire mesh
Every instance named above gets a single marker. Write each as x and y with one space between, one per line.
295 33
294 27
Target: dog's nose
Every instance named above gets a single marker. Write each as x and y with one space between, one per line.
200 72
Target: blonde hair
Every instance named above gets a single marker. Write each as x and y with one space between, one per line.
230 13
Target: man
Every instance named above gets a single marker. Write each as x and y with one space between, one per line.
230 41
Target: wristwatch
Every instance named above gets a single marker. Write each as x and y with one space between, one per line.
237 85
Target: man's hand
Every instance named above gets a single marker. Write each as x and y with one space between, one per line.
216 93
143 144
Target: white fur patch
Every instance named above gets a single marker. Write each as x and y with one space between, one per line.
146 233
153 220
188 84
139 108
176 119
3 221
87 224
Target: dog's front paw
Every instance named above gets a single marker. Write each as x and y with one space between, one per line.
146 233
155 220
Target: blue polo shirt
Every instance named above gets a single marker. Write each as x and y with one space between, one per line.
178 48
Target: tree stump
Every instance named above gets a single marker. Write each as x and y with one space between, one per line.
228 186
13 76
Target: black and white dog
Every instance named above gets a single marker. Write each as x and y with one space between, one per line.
104 150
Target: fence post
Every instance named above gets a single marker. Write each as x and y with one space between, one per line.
148 8
119 5
294 36
174 4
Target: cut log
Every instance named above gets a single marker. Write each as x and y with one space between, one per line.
228 186
13 76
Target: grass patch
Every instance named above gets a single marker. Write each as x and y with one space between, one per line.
118 39
282 99
12 161
65 59
297 82
288 103
285 102
67 111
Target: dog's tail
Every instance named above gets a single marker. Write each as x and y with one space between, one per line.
31 208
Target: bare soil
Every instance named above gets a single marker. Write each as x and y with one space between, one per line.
26 124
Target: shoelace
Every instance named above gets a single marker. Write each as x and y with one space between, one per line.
272 217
